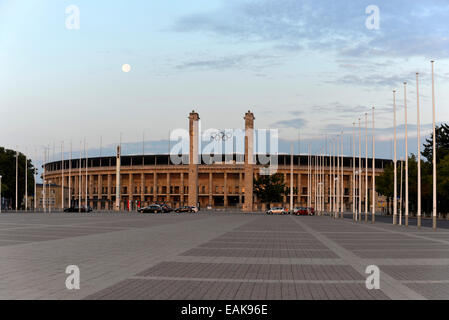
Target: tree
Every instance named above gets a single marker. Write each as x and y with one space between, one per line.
8 173
442 143
385 184
270 188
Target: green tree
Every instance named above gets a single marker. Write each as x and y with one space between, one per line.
270 188
441 143
8 173
384 184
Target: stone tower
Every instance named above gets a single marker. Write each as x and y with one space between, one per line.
193 158
249 161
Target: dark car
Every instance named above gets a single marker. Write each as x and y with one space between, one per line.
166 208
77 209
186 209
154 208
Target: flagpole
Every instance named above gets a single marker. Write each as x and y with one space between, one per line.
406 155
373 178
434 157
342 178
395 192
354 215
419 152
62 175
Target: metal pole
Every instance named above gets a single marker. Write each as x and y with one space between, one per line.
87 165
62 175
43 180
70 176
373 178
366 167
419 152
17 177
406 155
342 190
395 193
291 178
360 170
26 182
400 196
354 215
80 178
337 200
434 156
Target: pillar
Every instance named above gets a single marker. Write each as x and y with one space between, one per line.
193 158
225 193
210 189
249 161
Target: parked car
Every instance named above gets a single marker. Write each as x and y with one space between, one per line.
311 211
300 211
77 209
277 210
187 209
154 208
166 208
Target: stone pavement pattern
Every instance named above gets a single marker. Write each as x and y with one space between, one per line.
217 256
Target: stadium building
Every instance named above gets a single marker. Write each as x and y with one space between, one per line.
128 182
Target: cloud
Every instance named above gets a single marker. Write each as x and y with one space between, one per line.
250 60
407 27
295 123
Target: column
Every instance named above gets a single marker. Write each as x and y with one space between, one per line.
130 191
182 189
168 187
240 189
109 190
193 158
142 189
99 191
249 161
155 186
210 189
225 189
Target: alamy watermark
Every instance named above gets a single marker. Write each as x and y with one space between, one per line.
72 21
373 279
72 282
372 22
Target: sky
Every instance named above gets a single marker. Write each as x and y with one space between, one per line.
309 68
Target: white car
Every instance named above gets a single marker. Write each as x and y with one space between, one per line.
277 210
195 209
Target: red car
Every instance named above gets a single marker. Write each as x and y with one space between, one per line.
311 211
300 211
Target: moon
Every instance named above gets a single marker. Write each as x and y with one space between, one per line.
126 68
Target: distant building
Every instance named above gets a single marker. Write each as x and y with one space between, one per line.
53 197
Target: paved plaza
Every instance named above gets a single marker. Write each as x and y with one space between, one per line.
226 255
